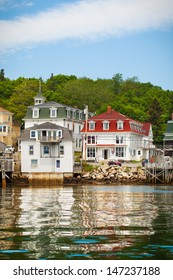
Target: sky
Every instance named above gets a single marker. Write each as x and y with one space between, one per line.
88 38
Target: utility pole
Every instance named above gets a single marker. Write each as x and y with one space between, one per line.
86 124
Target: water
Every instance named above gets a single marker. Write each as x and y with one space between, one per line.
86 222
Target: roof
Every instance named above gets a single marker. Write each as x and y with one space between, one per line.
169 127
66 134
112 117
53 104
2 110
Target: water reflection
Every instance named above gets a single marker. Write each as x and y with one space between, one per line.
86 222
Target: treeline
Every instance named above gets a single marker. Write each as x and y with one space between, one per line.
140 101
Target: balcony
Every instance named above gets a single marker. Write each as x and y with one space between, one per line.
49 139
168 147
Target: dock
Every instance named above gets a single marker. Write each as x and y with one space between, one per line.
6 168
159 172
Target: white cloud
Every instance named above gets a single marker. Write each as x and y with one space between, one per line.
87 19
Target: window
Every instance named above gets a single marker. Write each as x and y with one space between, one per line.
119 139
34 163
54 135
53 112
120 125
120 152
31 150
68 113
9 119
105 125
91 125
35 113
80 115
91 139
46 150
61 150
8 129
32 134
91 152
74 114
60 133
2 128
58 163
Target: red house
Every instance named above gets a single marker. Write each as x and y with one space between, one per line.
112 135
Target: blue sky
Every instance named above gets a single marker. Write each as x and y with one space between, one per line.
91 38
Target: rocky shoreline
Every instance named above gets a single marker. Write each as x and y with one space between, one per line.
110 175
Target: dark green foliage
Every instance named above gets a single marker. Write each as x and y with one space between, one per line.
141 101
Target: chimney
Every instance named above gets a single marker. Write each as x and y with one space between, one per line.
109 109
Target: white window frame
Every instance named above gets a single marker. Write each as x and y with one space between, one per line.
35 113
61 150
80 115
31 132
91 139
120 125
46 153
91 152
59 133
91 125
34 163
68 113
31 150
106 125
53 112
74 114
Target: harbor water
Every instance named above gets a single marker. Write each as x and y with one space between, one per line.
122 222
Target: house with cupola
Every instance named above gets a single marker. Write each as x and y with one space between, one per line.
112 135
46 152
56 113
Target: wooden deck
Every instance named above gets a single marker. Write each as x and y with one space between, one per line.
159 173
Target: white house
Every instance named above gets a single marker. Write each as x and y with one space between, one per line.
112 135
46 150
60 114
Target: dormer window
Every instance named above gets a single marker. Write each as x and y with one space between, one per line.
68 113
53 112
35 113
120 125
91 125
80 115
106 125
74 114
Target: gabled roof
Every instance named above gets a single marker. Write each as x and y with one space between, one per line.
66 134
113 115
47 125
2 110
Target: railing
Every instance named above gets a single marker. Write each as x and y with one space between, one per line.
7 164
49 139
168 147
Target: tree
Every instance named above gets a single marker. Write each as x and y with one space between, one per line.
2 75
118 81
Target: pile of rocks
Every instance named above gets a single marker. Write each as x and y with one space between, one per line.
113 174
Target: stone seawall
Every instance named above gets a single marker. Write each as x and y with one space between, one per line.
112 174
